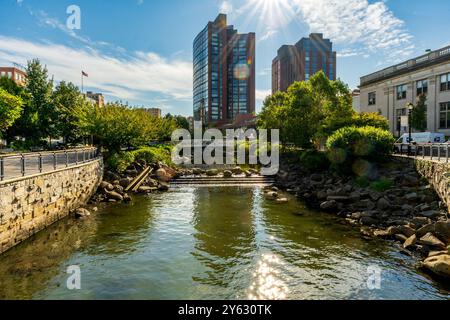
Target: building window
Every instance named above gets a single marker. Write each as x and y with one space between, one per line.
444 118
401 92
372 98
422 87
400 114
445 82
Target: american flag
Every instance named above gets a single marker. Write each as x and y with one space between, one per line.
84 74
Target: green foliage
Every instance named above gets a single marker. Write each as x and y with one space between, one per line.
116 126
122 160
382 185
10 109
181 122
368 143
305 108
39 116
419 114
362 182
335 122
314 161
68 103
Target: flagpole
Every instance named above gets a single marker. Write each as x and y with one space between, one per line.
82 84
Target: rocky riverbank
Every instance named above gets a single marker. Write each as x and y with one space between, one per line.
407 210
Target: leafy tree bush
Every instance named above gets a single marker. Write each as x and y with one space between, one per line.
368 143
314 161
10 110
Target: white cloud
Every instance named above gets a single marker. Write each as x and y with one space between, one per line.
226 7
261 95
359 23
121 78
268 34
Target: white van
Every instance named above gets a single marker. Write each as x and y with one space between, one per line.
422 138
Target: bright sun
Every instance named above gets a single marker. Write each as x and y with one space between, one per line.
270 14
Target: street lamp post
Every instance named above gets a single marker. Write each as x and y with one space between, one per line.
410 108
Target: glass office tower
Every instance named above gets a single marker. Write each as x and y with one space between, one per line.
224 73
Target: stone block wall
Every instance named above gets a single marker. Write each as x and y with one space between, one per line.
438 175
30 204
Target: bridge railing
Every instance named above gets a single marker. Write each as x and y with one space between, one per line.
434 151
25 164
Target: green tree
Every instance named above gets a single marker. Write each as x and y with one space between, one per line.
181 122
68 103
419 114
307 110
10 110
116 126
40 116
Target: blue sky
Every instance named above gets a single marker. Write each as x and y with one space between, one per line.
140 51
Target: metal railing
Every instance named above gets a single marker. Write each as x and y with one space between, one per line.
23 164
433 151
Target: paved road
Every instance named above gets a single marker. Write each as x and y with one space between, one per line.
12 164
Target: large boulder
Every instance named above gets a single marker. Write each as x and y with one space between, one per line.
125 182
442 230
163 175
430 240
439 265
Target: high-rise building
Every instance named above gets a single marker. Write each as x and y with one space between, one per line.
300 61
224 73
17 75
155 112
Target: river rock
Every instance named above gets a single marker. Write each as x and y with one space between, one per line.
106 186
383 204
163 186
162 175
411 196
125 182
115 196
430 214
368 221
282 200
118 188
430 240
82 213
424 230
419 222
328 205
146 189
316 178
411 241
212 172
227 174
237 170
381 234
436 253
272 194
126 197
404 230
442 230
321 195
439 265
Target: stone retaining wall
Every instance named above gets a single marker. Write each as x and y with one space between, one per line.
438 175
30 204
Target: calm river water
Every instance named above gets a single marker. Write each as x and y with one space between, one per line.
209 243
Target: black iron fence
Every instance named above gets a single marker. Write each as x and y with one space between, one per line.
432 151
25 164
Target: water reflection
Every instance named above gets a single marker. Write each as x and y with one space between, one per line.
224 233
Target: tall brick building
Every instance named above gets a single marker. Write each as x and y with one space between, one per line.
300 61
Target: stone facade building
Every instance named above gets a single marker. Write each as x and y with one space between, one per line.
390 90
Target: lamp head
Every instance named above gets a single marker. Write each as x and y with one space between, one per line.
410 106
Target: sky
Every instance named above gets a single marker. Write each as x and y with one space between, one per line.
140 51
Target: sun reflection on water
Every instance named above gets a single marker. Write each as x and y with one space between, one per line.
267 284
